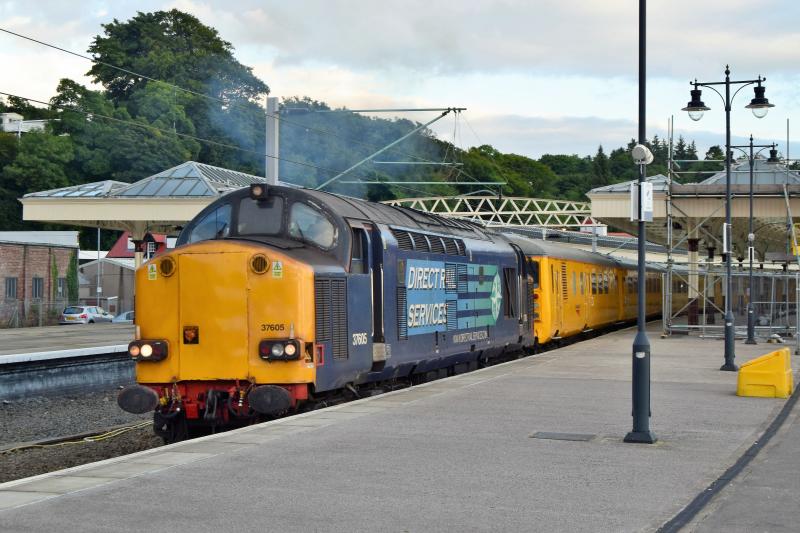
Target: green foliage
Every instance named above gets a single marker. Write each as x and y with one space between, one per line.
132 127
40 163
22 107
53 277
72 278
600 168
9 146
715 152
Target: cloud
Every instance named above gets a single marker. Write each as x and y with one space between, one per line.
551 36
544 76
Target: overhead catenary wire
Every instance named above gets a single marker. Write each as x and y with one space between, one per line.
170 132
276 116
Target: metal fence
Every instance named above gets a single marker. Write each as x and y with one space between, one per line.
696 302
28 313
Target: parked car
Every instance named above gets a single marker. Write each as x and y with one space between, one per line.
84 314
124 318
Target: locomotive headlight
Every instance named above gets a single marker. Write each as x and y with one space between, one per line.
150 350
290 349
277 349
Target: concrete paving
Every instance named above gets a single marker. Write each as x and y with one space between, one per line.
766 495
31 344
456 454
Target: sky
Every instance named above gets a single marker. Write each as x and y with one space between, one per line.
536 76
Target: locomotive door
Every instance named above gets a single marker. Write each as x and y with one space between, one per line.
360 298
524 294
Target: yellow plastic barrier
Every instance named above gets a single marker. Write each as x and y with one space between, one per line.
768 376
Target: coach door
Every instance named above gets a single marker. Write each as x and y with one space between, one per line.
558 306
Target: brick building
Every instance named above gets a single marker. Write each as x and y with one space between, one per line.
34 266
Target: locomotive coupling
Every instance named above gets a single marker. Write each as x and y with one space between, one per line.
137 399
269 399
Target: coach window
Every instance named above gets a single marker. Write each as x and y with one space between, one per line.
594 283
311 225
261 217
574 283
214 225
583 285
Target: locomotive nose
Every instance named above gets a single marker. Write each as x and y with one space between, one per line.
213 315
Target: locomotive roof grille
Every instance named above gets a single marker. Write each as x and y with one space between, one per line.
411 241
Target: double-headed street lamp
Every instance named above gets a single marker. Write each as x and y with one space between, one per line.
751 237
760 106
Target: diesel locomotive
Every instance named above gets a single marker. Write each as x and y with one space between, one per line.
276 298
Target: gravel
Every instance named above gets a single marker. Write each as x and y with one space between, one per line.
32 462
43 417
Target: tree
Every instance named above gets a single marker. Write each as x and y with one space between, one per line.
125 151
600 168
177 48
173 46
680 150
691 151
72 279
53 277
714 153
8 149
39 164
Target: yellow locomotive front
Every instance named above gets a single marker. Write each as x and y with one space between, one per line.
224 332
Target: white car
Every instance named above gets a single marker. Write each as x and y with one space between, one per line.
84 314
124 318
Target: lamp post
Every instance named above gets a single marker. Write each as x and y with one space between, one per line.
640 378
760 106
751 237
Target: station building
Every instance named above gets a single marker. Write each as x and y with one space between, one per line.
34 269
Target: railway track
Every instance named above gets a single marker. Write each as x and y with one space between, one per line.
33 457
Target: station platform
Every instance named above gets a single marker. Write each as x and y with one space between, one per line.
533 444
22 345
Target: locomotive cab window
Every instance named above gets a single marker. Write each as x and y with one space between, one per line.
533 272
260 217
509 292
358 256
310 225
215 225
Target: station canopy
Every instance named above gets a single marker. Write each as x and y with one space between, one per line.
161 203
698 209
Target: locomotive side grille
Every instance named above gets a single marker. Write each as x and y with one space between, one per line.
322 304
564 293
402 318
451 307
403 240
437 246
420 242
338 309
461 276
450 245
450 278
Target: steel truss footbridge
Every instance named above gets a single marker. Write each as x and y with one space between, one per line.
505 211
